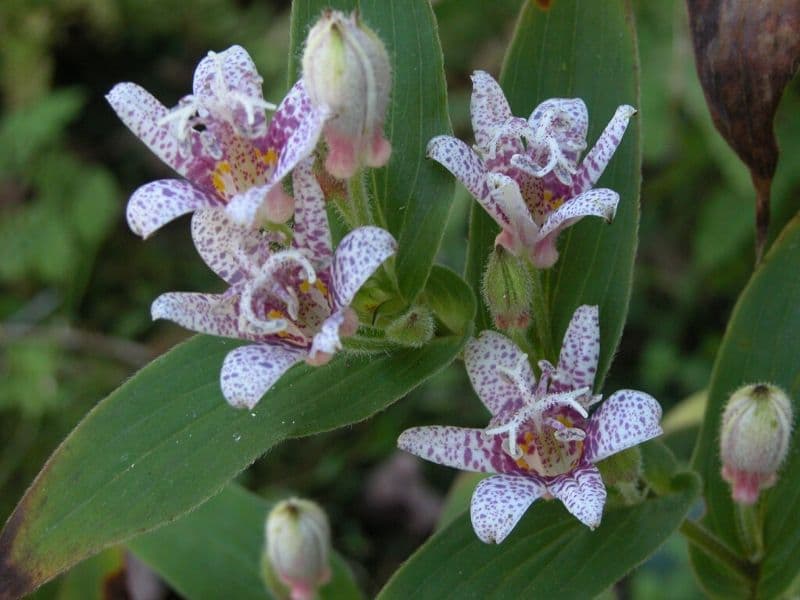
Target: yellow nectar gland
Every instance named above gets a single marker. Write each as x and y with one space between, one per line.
552 204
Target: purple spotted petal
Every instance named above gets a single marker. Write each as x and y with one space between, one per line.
567 120
624 420
600 202
462 162
519 229
459 447
327 338
487 359
598 157
582 492
232 251
214 314
580 351
248 372
141 113
157 203
499 502
311 231
356 258
229 81
292 109
488 107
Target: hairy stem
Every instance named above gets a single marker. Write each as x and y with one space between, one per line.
749 528
359 200
541 316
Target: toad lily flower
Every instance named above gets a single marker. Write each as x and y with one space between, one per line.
218 139
525 173
294 302
541 441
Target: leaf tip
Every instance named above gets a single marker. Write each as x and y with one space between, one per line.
14 581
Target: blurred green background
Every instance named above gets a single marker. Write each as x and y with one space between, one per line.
77 285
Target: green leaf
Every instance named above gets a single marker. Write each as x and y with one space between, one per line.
94 579
450 298
413 193
215 551
549 553
762 343
166 441
586 50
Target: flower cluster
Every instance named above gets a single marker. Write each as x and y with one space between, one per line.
289 291
541 440
525 173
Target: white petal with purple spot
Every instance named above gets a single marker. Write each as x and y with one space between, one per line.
488 107
600 202
499 502
356 258
461 160
580 351
248 372
157 203
214 314
459 447
311 231
582 492
490 359
627 418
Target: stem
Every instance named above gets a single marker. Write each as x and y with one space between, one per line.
359 199
715 548
762 186
749 528
541 316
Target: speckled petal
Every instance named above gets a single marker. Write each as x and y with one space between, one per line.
580 351
461 160
141 113
582 492
355 260
157 203
598 157
291 111
488 107
499 502
311 231
228 81
249 371
327 338
624 420
520 232
233 252
567 121
459 447
486 358
601 202
214 314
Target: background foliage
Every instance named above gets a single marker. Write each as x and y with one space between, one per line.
76 284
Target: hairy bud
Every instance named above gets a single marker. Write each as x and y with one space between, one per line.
507 290
414 328
297 548
756 431
346 69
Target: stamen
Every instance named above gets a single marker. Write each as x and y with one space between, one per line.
570 434
180 115
565 399
515 376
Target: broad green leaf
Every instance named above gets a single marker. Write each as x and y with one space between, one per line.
548 555
586 50
762 343
413 193
94 579
166 441
215 551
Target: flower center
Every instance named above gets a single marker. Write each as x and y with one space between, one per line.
544 454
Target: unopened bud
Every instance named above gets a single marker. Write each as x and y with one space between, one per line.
346 69
414 328
297 548
507 290
756 431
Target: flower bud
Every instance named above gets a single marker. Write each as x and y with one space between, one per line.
507 290
297 548
346 68
414 328
756 430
